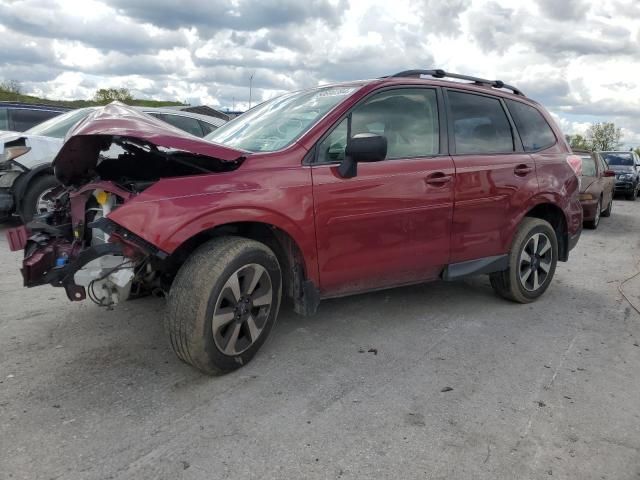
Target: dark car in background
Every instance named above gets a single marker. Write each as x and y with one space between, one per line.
626 165
18 117
596 188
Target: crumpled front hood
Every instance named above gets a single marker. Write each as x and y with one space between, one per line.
83 144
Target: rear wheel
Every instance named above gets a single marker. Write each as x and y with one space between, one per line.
532 262
223 303
38 197
593 224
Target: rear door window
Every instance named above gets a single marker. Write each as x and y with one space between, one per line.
480 124
534 130
23 119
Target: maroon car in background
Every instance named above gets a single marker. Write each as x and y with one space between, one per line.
320 193
597 188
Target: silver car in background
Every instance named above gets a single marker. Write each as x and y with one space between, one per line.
26 174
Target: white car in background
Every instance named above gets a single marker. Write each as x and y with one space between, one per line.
26 174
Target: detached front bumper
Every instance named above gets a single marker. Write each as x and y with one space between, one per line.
51 256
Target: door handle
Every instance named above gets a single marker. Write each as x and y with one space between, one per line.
438 179
522 170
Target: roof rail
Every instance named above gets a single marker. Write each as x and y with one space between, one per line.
438 73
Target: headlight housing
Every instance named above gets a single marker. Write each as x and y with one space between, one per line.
626 176
11 153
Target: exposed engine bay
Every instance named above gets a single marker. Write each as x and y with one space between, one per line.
76 246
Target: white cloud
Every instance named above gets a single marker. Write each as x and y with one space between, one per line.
580 58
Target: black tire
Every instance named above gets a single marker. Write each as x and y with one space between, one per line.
607 212
593 224
39 185
199 290
508 284
633 196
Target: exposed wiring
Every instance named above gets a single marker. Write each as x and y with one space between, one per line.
122 266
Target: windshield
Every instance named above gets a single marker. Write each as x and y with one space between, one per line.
277 123
59 126
621 158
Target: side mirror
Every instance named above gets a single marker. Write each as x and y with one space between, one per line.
363 147
608 173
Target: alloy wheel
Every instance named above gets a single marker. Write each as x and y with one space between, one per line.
535 262
44 203
596 219
242 309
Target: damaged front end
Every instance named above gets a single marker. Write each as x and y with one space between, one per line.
76 247
109 159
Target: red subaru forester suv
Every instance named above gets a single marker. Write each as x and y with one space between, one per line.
315 194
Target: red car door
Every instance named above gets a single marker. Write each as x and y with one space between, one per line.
493 179
391 223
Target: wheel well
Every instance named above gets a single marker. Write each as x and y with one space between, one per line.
296 285
555 216
25 180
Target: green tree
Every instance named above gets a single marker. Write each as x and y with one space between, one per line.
604 136
637 150
108 95
11 86
578 142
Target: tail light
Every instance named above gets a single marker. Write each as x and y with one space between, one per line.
575 162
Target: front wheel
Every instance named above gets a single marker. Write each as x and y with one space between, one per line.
593 224
223 303
38 197
607 212
532 262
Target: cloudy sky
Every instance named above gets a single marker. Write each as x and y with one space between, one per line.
580 58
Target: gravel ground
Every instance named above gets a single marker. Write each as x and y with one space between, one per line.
436 381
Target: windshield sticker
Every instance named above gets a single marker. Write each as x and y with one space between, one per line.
334 92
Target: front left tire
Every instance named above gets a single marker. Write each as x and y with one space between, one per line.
37 198
223 304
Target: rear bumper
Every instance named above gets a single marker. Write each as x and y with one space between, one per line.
626 188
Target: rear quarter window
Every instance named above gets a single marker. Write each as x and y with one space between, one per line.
207 128
534 130
189 125
588 166
4 119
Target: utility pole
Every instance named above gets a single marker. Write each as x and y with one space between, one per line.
233 102
250 88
